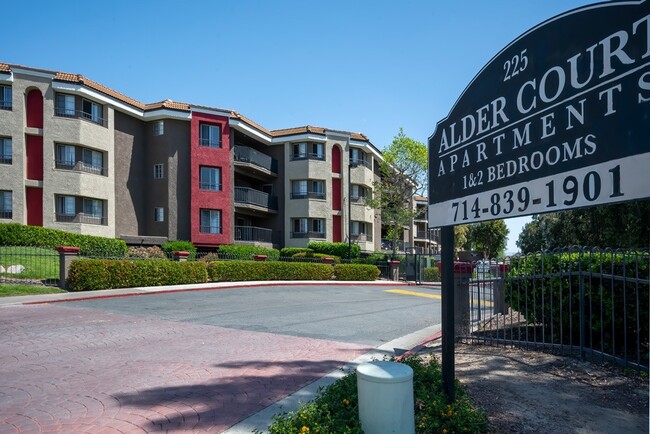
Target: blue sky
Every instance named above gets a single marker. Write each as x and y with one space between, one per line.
362 66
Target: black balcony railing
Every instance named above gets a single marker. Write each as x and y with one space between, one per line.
210 143
308 195
5 159
421 235
5 104
80 114
249 196
211 186
210 229
245 154
361 237
81 218
80 166
360 162
307 156
6 214
308 234
253 234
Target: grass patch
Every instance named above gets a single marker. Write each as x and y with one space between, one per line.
39 263
336 409
11 289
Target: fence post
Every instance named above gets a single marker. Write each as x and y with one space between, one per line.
67 254
462 274
260 258
181 256
394 269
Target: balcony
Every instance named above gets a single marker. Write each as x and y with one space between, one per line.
308 234
252 158
6 214
255 198
253 234
308 195
356 162
80 166
422 235
81 218
79 114
361 237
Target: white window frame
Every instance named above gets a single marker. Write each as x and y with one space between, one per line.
158 128
159 214
158 171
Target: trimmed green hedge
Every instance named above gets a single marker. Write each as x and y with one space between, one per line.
94 274
336 249
238 271
432 274
320 256
247 252
356 272
288 252
178 246
14 234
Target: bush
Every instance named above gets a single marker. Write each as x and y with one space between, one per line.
316 256
14 234
212 256
342 250
241 251
371 259
431 274
288 252
356 272
94 274
153 252
179 246
336 409
238 271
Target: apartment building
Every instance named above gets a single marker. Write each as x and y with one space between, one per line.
78 156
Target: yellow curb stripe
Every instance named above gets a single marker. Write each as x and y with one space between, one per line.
417 294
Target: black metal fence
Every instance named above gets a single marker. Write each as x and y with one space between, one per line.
29 266
593 304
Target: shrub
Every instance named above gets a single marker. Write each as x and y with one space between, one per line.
145 252
431 274
212 256
316 256
356 272
336 409
241 251
179 246
237 271
371 259
288 252
14 234
94 274
342 250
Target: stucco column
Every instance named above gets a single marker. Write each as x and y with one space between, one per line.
394 270
181 256
67 254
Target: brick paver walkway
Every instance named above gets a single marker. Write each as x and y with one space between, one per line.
66 369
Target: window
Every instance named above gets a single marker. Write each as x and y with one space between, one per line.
210 221
159 214
64 105
158 171
6 154
77 158
311 151
301 189
358 192
158 128
358 228
92 111
210 178
5 98
6 204
358 157
210 136
65 206
308 228
93 208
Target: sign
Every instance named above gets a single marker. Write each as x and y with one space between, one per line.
559 119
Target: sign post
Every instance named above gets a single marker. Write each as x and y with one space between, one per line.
559 119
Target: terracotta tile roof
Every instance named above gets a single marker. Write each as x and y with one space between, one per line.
168 104
4 67
78 78
315 130
255 125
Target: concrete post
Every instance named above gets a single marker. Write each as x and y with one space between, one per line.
462 275
260 258
181 256
394 270
67 254
386 398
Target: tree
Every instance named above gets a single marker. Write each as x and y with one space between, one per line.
403 173
625 225
489 237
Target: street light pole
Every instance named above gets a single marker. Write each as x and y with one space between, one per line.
349 211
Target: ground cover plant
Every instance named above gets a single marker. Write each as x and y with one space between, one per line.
10 289
336 409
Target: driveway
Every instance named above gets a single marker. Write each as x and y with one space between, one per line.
189 361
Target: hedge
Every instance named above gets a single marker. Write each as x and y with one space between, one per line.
247 252
288 252
94 274
432 274
545 288
237 271
15 234
316 256
179 246
342 250
356 272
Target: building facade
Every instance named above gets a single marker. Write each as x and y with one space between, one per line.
78 156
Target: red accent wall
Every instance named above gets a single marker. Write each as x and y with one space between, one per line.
221 200
336 230
336 159
336 194
34 196
35 109
34 157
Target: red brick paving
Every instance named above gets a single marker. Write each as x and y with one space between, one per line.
65 369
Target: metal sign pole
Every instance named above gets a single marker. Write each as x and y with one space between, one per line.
448 332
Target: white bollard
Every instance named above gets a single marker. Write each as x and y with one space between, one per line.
386 398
